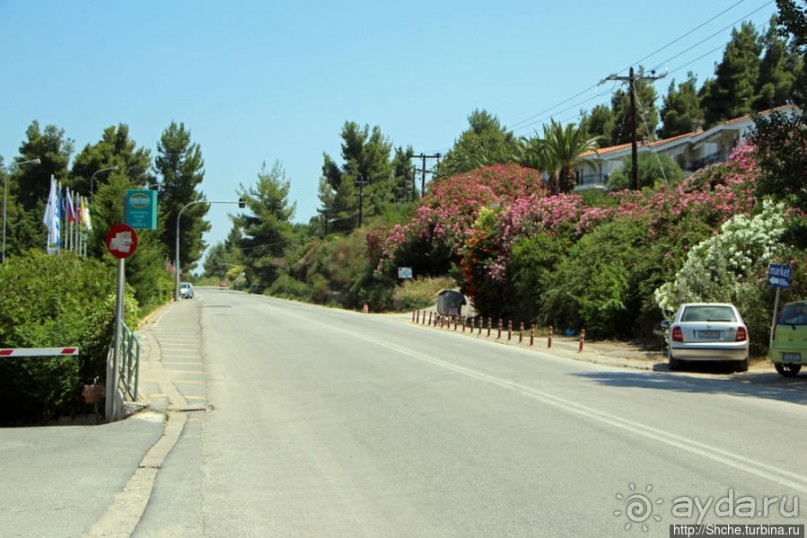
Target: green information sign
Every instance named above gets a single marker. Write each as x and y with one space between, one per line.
141 209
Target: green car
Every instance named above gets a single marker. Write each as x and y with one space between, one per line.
789 339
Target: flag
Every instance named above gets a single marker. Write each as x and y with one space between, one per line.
52 218
71 212
85 214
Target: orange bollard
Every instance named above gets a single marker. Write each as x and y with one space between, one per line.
549 341
582 339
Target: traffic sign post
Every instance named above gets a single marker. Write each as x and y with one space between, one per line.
778 277
121 241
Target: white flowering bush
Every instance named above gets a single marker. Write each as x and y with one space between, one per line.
728 267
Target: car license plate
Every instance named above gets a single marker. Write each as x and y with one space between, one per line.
709 335
791 357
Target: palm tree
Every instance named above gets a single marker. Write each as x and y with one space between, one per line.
562 147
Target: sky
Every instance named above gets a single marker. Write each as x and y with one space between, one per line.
260 81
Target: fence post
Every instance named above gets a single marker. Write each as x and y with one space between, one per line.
549 341
582 339
532 333
499 334
490 322
456 320
430 318
521 332
509 329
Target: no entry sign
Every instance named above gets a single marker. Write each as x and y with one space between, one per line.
121 241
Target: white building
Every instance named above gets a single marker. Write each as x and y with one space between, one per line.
692 151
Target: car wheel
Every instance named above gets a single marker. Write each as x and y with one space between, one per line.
675 364
787 370
741 366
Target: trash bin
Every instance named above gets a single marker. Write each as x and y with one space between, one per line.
449 302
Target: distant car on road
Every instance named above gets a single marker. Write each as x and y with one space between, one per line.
256 288
789 339
186 290
707 332
223 285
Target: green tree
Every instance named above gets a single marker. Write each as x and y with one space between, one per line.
600 123
733 91
781 151
115 149
266 227
179 162
366 170
654 168
681 111
485 142
563 147
404 189
777 71
793 21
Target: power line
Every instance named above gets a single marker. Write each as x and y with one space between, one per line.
537 118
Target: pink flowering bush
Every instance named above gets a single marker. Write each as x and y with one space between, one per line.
435 239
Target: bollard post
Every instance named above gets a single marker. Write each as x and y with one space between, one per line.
521 332
417 318
582 339
413 316
532 334
430 318
456 320
499 334
490 323
509 330
479 332
549 340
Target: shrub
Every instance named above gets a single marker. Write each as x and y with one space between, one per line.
53 301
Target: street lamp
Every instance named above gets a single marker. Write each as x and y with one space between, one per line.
92 178
5 196
241 203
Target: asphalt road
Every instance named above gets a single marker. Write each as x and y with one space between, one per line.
330 423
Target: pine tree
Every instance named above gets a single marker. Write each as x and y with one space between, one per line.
681 112
733 91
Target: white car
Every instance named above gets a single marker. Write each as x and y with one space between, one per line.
186 290
707 332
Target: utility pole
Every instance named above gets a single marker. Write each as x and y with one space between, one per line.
361 195
631 80
423 170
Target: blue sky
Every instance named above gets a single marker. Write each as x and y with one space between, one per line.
260 81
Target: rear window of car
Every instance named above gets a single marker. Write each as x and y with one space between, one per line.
794 315
708 313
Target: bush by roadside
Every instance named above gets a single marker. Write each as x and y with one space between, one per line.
53 301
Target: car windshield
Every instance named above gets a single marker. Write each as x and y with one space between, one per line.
708 313
794 314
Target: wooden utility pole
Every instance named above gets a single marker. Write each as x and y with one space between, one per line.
423 170
631 80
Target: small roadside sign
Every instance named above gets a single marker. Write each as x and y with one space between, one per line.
121 241
404 273
779 275
141 209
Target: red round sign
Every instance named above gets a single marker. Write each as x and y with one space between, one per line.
121 241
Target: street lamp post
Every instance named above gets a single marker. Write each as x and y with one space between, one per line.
92 178
240 203
5 197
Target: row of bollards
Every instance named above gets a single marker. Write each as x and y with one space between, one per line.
470 324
